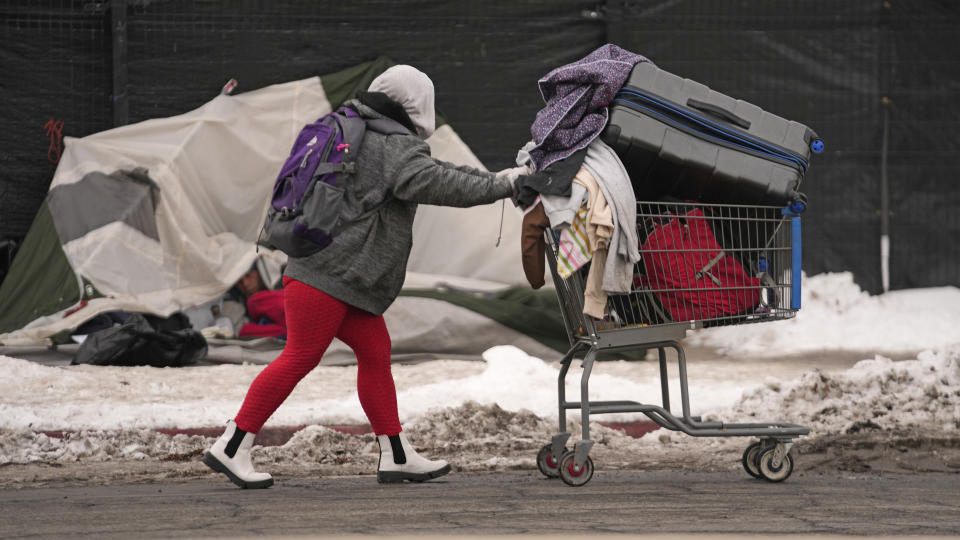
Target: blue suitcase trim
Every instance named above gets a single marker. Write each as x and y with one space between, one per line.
713 131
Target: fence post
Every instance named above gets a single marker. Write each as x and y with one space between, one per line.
885 199
887 56
118 31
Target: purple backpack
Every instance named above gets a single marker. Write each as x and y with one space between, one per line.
312 197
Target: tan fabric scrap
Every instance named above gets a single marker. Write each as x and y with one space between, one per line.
599 232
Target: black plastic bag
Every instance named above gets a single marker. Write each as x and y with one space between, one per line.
144 340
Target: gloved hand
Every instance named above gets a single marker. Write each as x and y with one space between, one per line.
513 173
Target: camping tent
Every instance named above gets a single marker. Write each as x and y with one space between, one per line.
164 214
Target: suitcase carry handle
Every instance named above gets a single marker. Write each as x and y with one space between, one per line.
723 114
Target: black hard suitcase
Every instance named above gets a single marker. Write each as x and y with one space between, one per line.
676 137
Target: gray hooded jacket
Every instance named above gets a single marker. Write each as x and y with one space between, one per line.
366 263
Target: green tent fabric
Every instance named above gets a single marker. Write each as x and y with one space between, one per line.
535 313
41 280
530 312
344 84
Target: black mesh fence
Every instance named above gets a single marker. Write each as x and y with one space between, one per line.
56 82
921 78
484 57
72 68
841 68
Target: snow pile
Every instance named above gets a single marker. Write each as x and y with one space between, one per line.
470 429
836 315
877 394
23 446
91 397
473 437
320 446
97 397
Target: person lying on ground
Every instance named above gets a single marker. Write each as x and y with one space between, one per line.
265 312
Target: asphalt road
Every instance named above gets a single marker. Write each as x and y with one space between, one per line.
492 504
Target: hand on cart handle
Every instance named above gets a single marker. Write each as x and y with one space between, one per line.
515 174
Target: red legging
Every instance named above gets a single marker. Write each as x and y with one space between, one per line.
314 318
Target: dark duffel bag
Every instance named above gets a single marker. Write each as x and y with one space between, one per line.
144 340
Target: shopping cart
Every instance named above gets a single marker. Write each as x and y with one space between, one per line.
742 267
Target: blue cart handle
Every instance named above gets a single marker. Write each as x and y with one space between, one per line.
796 249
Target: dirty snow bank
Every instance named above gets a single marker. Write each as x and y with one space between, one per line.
874 395
877 394
501 411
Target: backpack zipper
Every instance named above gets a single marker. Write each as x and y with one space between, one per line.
312 145
329 146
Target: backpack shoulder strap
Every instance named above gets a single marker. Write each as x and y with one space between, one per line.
352 126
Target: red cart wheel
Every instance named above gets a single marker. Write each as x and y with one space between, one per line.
571 474
548 463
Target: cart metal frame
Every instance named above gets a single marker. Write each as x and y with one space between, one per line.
770 234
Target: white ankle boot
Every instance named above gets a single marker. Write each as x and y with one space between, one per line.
399 462
231 456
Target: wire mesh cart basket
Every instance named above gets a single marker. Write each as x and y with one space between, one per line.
701 265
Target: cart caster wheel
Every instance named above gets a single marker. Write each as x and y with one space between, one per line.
573 475
548 463
771 472
749 460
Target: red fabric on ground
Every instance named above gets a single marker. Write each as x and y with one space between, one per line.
261 330
265 304
314 318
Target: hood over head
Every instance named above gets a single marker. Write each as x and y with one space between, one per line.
413 89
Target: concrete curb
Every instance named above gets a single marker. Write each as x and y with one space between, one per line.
279 435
